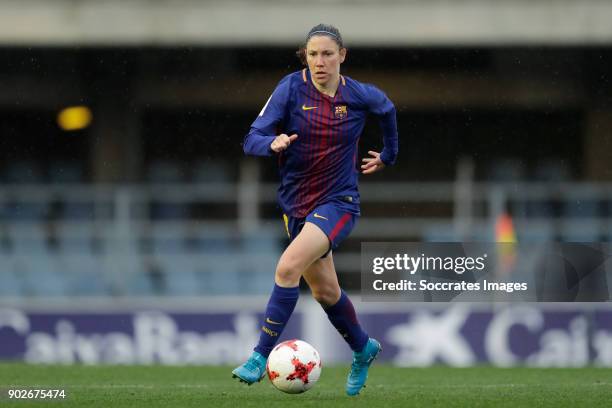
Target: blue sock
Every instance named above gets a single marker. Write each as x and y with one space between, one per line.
280 307
342 315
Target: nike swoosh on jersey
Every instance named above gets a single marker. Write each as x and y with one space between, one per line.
271 321
304 107
320 216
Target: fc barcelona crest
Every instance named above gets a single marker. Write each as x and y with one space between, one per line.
340 112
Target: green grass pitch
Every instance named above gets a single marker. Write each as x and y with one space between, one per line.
160 386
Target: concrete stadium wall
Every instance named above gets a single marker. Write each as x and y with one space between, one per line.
241 22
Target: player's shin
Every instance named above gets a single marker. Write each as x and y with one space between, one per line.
278 311
342 315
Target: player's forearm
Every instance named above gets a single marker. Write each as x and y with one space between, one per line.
258 145
388 124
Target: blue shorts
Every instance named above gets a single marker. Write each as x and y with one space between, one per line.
335 222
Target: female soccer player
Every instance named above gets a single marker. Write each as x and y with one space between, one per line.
312 123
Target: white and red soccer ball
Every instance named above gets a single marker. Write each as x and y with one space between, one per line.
294 366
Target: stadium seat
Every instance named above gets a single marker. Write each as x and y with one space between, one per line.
259 256
161 211
10 283
23 172
507 170
17 210
74 241
76 255
214 240
581 231
217 251
85 274
181 278
257 274
535 232
137 279
41 275
140 283
263 241
65 172
78 211
582 202
211 171
440 233
28 239
220 273
551 171
167 240
548 171
542 209
164 172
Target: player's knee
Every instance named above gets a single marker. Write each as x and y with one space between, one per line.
288 272
326 296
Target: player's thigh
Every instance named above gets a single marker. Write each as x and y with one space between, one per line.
309 245
322 279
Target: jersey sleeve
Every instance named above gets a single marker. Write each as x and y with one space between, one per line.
263 130
381 106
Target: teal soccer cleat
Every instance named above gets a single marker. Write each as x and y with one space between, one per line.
251 371
361 363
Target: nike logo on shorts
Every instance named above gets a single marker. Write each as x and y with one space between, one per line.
320 216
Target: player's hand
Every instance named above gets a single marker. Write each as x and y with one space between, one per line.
372 164
282 142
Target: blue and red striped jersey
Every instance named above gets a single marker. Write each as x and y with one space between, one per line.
320 166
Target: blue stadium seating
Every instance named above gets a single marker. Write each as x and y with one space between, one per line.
65 172
10 282
581 202
211 172
42 276
181 278
259 254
